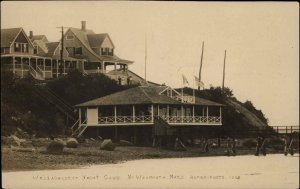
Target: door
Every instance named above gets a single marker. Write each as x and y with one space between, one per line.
92 116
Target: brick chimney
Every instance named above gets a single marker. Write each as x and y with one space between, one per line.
30 34
83 25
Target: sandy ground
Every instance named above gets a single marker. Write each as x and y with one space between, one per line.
246 171
15 160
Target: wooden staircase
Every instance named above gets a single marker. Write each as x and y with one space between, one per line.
64 107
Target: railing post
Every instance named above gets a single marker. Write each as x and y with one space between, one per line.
152 116
133 113
220 114
14 65
168 109
158 110
193 114
115 113
44 62
22 67
182 113
79 116
207 114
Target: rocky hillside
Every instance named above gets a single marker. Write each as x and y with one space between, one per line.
22 108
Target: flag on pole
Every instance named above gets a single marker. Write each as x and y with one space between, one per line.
184 80
198 82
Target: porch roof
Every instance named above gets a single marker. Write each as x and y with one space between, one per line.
142 95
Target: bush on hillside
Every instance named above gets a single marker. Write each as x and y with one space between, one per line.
85 87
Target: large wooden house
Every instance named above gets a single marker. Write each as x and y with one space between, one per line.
145 108
84 50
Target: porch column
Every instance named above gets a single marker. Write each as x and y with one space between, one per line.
220 114
22 72
51 64
115 66
79 116
64 62
207 114
103 67
158 110
152 116
44 67
193 113
115 113
181 113
14 65
168 109
57 63
133 113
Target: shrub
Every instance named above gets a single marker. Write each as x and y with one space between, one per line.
249 143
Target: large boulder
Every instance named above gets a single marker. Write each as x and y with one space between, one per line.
72 143
107 144
60 140
55 147
11 140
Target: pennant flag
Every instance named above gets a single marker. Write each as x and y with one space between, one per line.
198 82
184 80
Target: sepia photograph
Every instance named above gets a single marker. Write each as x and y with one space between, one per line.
149 94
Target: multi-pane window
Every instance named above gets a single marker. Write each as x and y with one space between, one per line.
107 51
21 47
78 51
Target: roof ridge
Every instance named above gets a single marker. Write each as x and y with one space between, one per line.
145 93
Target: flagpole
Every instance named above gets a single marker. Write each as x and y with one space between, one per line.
224 72
201 63
194 90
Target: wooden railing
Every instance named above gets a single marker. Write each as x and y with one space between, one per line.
124 119
205 120
191 119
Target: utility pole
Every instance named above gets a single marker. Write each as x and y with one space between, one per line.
61 51
145 57
224 72
201 64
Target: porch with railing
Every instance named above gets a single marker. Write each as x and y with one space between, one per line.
148 120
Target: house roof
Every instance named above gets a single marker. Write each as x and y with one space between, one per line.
87 36
39 37
141 95
8 36
42 45
95 40
51 48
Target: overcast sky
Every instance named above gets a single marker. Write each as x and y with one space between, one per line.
261 39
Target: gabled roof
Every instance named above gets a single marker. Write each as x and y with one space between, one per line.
51 48
141 95
96 40
9 35
82 36
39 37
42 45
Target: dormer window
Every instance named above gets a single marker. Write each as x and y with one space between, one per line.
107 51
70 37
